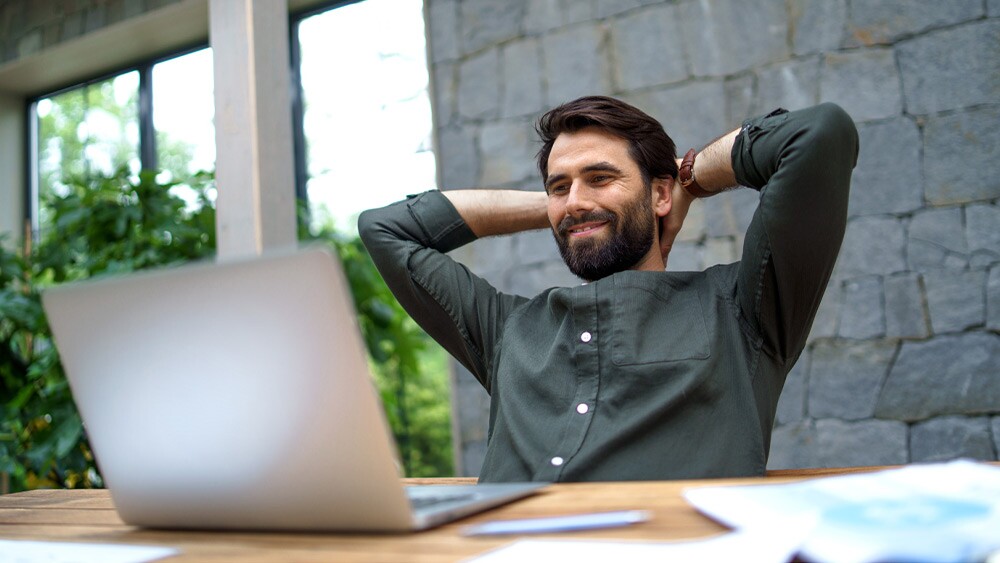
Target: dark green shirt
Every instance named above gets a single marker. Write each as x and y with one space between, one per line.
640 375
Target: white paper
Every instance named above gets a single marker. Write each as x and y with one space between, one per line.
746 546
21 551
936 512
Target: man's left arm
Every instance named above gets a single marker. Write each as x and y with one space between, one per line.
801 162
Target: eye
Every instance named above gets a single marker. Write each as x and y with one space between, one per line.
558 189
600 179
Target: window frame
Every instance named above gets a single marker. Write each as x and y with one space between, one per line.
147 132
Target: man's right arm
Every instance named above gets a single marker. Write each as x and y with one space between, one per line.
408 241
500 212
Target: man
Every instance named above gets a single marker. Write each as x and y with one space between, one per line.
640 373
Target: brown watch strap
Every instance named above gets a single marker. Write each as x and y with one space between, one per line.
685 174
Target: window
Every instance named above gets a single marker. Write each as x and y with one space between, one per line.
110 124
366 109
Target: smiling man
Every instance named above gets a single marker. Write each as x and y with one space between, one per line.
639 373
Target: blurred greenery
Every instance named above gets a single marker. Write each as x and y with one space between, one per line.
119 223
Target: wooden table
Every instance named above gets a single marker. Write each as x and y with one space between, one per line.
89 516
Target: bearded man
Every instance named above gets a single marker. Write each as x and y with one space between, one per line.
638 373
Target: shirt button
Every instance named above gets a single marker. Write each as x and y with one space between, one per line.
586 336
557 461
582 408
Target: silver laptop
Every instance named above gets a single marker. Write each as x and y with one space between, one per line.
238 396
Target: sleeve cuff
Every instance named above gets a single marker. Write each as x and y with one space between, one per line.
443 227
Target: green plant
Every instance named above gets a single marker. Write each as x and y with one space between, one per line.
119 224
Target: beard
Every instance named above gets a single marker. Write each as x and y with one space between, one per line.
629 238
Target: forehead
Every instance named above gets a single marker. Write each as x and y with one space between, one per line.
586 146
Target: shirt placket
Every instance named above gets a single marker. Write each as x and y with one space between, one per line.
585 364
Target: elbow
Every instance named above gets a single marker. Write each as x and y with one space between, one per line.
837 134
368 227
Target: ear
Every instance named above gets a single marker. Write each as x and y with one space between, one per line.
662 194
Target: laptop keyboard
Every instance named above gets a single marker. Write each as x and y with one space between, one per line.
424 501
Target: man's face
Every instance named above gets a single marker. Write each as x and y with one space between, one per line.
600 209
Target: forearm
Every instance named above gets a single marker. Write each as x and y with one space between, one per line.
500 212
713 166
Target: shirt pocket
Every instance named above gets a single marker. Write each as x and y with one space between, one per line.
654 322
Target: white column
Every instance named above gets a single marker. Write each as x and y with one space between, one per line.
253 128
12 161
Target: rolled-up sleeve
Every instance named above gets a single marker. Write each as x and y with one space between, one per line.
801 162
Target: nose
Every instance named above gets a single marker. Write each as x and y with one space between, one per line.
578 201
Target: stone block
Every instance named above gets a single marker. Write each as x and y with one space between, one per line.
72 26
861 443
576 11
690 112
457 159
442 37
685 257
982 231
543 15
96 18
905 313
576 63
607 8
951 437
936 240
878 21
861 312
532 280
955 299
993 299
825 323
445 92
887 178
865 83
720 250
793 446
508 155
730 212
488 257
134 8
734 35
965 148
836 443
817 25
536 247
694 223
488 22
872 245
995 428
845 378
792 401
740 98
954 374
993 10
792 85
951 68
29 43
522 84
479 86
647 49
473 454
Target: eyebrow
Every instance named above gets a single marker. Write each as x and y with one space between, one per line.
602 166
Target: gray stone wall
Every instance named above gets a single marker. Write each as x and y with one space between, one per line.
30 26
903 363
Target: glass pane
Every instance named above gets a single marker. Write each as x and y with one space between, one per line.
87 131
183 113
367 111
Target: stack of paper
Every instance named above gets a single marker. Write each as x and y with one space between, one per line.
938 512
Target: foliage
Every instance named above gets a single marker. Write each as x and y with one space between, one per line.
115 224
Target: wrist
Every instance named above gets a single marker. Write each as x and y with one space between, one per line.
686 176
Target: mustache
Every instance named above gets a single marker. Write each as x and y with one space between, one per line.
569 222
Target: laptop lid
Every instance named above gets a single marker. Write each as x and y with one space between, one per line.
231 395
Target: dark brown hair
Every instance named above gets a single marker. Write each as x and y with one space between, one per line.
649 145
